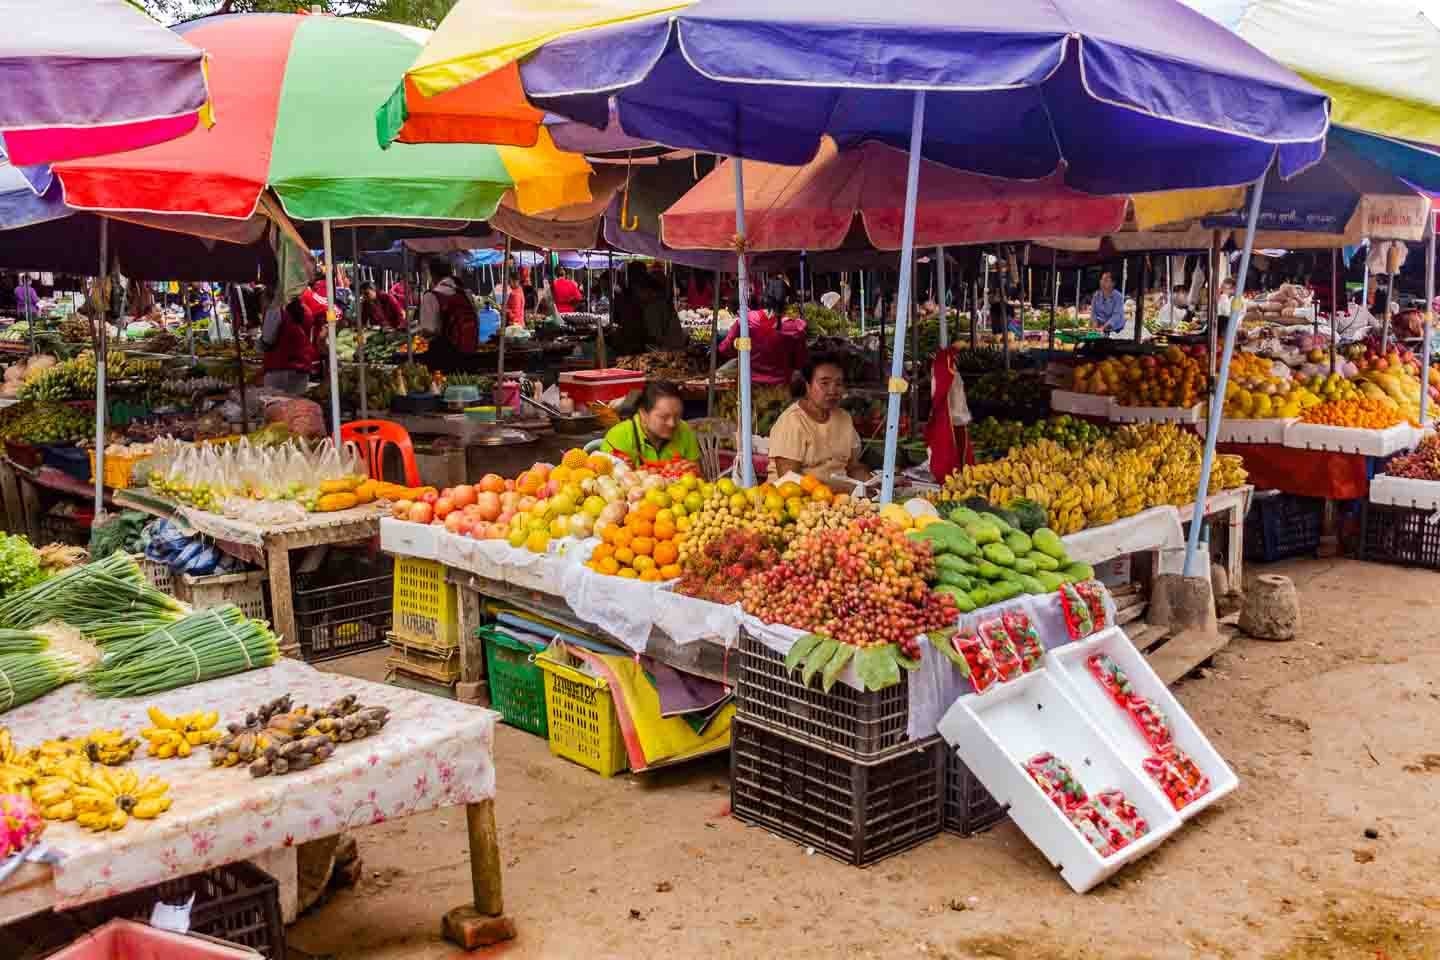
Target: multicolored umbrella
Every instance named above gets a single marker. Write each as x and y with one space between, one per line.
87 77
296 95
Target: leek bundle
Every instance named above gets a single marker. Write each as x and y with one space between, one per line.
29 676
22 641
106 601
206 644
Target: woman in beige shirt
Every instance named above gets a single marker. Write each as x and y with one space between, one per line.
814 435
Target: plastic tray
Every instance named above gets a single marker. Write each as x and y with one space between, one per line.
996 732
1122 414
859 723
857 811
1405 492
1085 404
127 940
1250 431
1371 443
1069 663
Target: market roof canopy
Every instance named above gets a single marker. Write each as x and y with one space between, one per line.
812 207
1131 95
24 203
85 77
296 94
1379 60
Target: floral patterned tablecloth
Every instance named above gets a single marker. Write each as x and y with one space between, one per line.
433 753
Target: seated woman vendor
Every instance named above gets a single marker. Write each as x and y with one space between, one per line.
814 435
655 435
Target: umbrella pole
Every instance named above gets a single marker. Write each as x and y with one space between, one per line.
864 307
29 320
714 344
1217 401
500 353
915 344
1335 304
897 383
742 343
1429 317
101 349
1140 298
940 297
240 356
1214 336
359 321
330 332
409 324
1385 320
1054 295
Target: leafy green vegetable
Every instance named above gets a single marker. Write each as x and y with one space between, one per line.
837 663
802 647
876 667
943 640
19 564
818 658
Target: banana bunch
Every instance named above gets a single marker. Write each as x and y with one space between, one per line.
107 799
47 758
175 736
54 794
109 747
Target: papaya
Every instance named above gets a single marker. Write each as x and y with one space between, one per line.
1005 590
1043 561
335 501
962 597
1080 571
983 532
999 554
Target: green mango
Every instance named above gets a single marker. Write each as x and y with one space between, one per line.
980 596
989 570
1010 575
1025 564
1080 571
983 532
964 516
958 580
1051 581
998 553
1004 591
1017 541
1032 585
1048 542
948 561
1043 561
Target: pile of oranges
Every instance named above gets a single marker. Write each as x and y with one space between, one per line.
645 547
1366 412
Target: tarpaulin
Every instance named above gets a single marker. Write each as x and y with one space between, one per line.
1305 473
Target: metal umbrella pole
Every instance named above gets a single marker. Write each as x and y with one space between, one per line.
359 303
409 324
240 355
714 346
101 350
330 331
1054 293
1335 303
1385 320
1217 401
864 307
897 385
29 320
940 297
500 352
742 343
1429 319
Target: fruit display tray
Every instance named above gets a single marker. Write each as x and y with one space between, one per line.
996 732
1068 663
1405 492
1371 443
1250 431
1085 404
1123 414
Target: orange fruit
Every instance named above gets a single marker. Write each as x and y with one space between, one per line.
665 516
643 546
642 528
670 571
644 563
602 550
622 538
627 573
651 576
808 483
600 464
624 556
646 511
666 552
821 493
664 530
609 565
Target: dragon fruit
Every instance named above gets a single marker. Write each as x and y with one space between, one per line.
20 824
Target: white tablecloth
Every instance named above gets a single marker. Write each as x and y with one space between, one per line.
433 753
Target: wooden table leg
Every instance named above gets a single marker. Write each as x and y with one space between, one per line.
484 922
282 599
472 687
30 504
10 491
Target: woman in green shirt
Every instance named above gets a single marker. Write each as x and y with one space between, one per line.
656 435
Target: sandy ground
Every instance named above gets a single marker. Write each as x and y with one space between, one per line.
1332 735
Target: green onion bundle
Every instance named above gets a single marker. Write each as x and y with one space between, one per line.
206 644
108 600
29 676
22 641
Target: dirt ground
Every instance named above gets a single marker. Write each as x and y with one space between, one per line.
1333 735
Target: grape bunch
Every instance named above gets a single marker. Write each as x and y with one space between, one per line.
862 584
833 514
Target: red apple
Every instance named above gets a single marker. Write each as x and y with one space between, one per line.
421 512
463 495
494 483
444 507
489 505
510 500
472 511
505 517
400 509
430 496
452 521
524 504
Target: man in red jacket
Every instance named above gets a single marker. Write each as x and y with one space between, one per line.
567 293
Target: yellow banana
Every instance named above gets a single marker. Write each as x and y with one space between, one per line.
151 808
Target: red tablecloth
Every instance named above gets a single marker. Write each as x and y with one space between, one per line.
1306 473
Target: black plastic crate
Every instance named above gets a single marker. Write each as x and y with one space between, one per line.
338 619
1400 535
857 811
860 723
239 903
969 808
1282 525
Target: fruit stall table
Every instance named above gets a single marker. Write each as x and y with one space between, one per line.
432 753
20 490
267 546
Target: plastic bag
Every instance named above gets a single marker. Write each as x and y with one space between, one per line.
1179 776
1056 781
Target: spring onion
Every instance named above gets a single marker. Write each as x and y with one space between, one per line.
107 600
206 644
22 641
28 676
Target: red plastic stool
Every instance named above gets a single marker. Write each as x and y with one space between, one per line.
371 437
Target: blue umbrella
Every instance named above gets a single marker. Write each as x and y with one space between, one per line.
1127 95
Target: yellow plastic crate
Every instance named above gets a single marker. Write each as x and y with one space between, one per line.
580 711
119 470
424 603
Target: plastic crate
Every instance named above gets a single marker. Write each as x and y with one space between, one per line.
73 530
1400 535
857 811
580 714
238 903
1280 526
860 723
422 660
969 808
245 590
425 609
157 573
338 619
119 470
517 684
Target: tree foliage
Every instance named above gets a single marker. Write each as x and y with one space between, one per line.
420 13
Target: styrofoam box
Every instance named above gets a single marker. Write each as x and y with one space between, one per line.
1250 431
1085 404
1123 414
1405 492
1068 663
1371 443
995 732
408 539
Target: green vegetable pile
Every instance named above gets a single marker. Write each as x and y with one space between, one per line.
19 564
48 423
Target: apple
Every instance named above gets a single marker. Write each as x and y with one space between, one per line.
505 516
452 521
430 496
463 495
421 513
498 531
489 505
400 509
472 511
525 504
444 507
542 470
509 500
493 483
509 484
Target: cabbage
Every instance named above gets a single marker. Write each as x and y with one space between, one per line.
19 564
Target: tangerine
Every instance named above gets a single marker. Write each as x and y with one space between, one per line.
664 530
623 536
643 546
602 550
651 576
624 556
670 571
808 483
609 566
666 552
642 528
627 573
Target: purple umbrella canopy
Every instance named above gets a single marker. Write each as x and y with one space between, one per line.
1129 95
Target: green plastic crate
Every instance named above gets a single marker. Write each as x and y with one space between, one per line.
517 685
